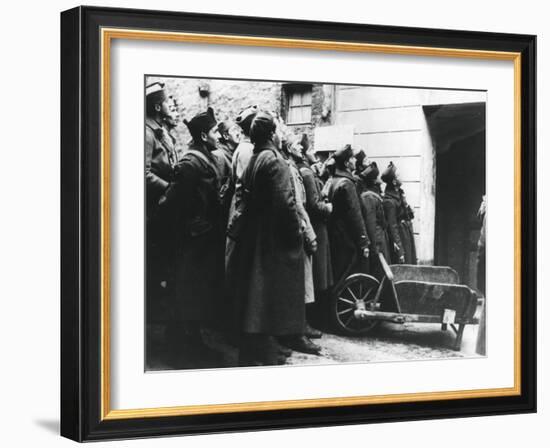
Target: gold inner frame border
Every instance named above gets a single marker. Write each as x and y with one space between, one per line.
107 35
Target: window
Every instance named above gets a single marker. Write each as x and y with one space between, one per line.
299 104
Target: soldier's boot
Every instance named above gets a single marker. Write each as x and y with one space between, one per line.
300 343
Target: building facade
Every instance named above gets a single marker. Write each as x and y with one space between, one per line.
435 137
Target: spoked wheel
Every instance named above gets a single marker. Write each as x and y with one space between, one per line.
357 293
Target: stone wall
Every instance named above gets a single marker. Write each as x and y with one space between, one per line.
229 97
321 99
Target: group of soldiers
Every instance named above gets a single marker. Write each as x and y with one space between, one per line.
249 229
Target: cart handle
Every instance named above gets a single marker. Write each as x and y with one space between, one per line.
387 271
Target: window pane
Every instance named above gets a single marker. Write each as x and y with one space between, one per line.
306 114
292 115
306 97
299 105
298 115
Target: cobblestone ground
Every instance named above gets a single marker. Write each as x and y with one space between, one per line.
387 343
391 342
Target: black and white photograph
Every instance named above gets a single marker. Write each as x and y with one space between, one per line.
292 223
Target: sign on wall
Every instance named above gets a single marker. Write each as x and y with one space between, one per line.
331 138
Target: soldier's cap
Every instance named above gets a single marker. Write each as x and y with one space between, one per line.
360 155
155 93
245 117
343 154
371 172
263 125
389 174
202 122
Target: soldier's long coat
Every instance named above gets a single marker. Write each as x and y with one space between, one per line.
375 222
400 229
392 210
406 216
160 161
309 233
266 269
193 209
223 156
346 228
319 214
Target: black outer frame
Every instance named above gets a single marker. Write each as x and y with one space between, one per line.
80 223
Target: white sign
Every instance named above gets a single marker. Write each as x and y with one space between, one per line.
331 138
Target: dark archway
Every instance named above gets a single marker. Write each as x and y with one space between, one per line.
458 134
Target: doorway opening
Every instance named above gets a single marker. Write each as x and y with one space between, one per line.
458 135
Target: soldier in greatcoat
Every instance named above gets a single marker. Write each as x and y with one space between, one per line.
393 209
406 227
193 205
230 137
160 161
319 209
160 151
375 220
293 150
266 271
239 162
349 243
399 216
244 150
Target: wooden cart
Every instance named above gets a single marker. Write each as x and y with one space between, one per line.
406 293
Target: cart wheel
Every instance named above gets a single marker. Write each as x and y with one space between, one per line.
356 293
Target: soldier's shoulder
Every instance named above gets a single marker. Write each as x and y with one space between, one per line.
345 183
366 194
218 154
389 200
370 194
269 157
190 157
150 135
372 197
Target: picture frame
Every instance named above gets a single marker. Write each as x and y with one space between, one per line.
86 37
